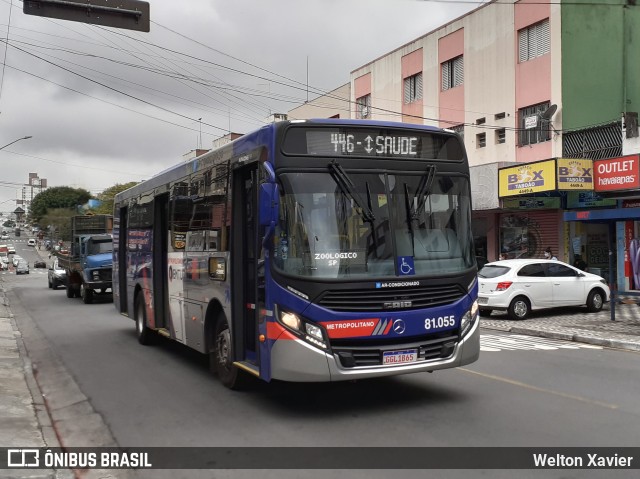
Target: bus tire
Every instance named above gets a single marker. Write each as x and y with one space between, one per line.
86 295
142 331
220 358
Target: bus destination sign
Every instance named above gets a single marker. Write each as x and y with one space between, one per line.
385 145
371 142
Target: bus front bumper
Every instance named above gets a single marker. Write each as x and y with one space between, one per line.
297 361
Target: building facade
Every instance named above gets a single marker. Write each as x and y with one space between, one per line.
526 82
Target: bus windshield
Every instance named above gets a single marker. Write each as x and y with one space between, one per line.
349 224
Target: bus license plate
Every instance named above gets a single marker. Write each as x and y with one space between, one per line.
400 357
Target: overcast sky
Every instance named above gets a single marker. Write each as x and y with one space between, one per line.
107 106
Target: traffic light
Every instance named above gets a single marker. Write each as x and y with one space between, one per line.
128 14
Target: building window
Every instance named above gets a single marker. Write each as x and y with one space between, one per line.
481 140
501 135
533 41
452 73
363 107
459 129
413 88
533 129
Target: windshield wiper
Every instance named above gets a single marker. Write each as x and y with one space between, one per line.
346 186
423 190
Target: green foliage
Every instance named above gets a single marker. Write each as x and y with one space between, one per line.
106 208
57 197
58 223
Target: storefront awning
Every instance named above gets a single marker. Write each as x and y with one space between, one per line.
615 214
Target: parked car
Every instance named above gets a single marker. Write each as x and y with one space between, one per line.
22 267
519 286
11 249
57 275
31 242
4 236
39 264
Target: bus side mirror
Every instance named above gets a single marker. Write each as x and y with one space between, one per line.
268 204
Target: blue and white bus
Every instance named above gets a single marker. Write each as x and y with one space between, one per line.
317 250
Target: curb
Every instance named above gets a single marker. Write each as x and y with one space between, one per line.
569 336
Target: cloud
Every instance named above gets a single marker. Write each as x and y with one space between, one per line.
108 106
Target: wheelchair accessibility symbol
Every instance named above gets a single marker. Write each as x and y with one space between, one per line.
405 266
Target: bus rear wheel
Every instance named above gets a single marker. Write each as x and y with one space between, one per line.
221 358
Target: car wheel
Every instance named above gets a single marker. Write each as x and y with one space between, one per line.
519 308
595 301
50 284
485 313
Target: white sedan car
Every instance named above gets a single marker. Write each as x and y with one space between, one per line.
519 286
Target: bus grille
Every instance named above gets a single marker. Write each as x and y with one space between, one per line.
392 298
363 356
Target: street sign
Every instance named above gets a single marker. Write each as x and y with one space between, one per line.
129 14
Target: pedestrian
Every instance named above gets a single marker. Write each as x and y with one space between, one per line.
548 254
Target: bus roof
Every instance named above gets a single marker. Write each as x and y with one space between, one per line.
262 136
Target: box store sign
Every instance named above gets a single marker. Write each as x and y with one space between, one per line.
617 174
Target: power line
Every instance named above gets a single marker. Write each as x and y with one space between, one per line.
114 89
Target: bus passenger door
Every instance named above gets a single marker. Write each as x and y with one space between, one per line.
245 250
159 265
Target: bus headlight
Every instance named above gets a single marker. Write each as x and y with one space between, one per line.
310 332
469 318
291 320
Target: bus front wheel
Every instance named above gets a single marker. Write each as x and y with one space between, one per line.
221 359
142 331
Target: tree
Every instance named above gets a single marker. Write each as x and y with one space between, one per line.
58 222
56 197
106 208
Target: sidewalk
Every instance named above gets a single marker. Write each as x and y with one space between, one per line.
25 421
577 324
40 403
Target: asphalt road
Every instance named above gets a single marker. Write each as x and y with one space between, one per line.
522 392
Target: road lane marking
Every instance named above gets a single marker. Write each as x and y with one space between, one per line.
543 390
495 342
